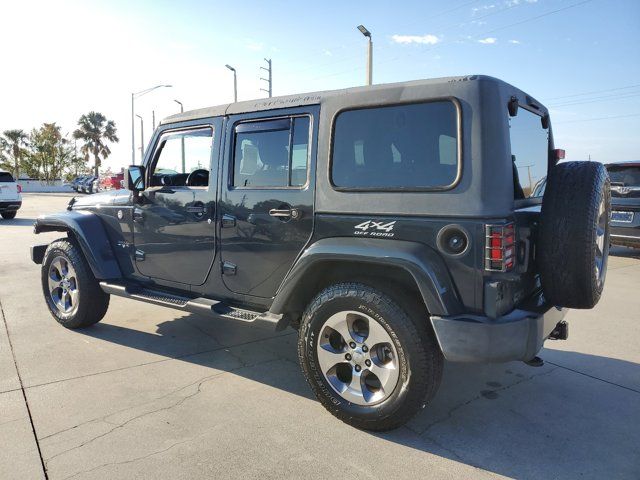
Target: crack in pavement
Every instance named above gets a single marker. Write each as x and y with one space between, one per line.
166 408
594 377
153 362
24 394
133 460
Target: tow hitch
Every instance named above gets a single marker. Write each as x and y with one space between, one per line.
561 332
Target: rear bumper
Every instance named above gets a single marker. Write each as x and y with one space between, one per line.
10 206
516 336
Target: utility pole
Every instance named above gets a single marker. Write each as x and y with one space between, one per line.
141 138
181 137
133 111
269 80
153 119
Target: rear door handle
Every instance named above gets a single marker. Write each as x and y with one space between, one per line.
281 212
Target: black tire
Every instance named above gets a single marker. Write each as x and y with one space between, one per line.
9 215
91 303
573 248
419 357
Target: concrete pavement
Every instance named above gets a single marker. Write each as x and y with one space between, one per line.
154 393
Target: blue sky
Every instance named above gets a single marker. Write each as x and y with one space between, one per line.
580 58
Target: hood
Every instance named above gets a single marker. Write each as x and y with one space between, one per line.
104 198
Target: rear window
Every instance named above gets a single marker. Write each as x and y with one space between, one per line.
626 176
529 154
402 147
6 177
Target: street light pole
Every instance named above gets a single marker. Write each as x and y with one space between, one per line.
235 82
133 127
181 137
141 138
367 34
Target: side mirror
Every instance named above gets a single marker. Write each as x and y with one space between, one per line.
134 178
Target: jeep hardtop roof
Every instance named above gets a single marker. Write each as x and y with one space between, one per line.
434 87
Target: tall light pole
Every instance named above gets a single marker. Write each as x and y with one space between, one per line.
235 82
141 138
367 34
182 136
133 127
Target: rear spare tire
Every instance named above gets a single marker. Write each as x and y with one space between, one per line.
573 247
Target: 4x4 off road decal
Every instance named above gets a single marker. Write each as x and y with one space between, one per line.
372 228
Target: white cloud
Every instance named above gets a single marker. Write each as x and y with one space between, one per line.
254 46
327 53
488 40
483 7
515 42
421 39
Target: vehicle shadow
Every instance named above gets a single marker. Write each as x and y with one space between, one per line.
509 419
20 222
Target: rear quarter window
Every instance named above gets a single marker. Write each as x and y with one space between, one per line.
6 177
399 147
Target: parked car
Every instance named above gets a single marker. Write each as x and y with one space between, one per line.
74 183
10 196
394 226
86 184
625 203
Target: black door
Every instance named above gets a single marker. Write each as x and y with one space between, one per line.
173 219
267 197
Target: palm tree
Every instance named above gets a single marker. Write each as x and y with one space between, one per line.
13 143
95 131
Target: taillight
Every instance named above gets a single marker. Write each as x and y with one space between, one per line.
19 188
500 248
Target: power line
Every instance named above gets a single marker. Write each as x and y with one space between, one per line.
596 100
599 118
444 29
477 36
593 91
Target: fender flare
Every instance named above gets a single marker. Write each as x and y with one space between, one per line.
88 230
424 264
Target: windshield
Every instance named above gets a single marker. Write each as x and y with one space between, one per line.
627 176
529 154
6 177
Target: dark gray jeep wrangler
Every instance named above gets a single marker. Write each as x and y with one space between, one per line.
394 226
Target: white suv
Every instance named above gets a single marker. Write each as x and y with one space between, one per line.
10 198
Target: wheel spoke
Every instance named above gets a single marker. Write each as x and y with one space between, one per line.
377 334
53 282
340 324
73 295
387 374
328 358
354 389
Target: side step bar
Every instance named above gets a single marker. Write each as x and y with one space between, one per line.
199 305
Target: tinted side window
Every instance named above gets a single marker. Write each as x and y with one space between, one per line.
398 147
181 153
272 153
6 177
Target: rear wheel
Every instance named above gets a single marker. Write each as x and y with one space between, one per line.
9 215
370 362
71 292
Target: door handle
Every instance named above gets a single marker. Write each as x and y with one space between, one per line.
285 213
138 215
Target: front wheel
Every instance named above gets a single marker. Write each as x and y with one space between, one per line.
370 362
71 292
9 215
